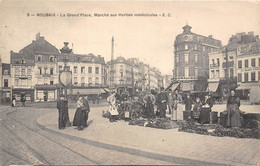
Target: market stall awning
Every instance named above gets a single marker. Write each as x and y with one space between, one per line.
102 90
185 86
213 86
86 91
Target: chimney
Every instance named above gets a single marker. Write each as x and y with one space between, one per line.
38 36
251 33
210 36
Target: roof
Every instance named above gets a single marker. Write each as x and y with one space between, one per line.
6 66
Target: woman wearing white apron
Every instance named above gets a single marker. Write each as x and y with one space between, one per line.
176 99
112 108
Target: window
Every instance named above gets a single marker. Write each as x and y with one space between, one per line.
231 73
89 80
196 72
97 70
186 56
45 70
231 57
75 80
186 47
82 80
217 73
51 82
121 74
253 76
82 70
258 75
239 77
212 74
253 62
29 82
23 82
213 61
239 64
29 72
218 61
246 63
75 69
177 58
97 80
89 69
5 82
16 82
186 72
196 58
51 59
259 62
39 58
23 72
51 71
246 77
17 71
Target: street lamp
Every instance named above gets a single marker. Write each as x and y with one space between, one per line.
65 76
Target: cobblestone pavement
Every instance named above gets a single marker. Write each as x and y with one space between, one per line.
23 142
221 150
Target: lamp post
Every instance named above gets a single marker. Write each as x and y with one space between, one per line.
65 75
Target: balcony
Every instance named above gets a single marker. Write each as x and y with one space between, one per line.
215 65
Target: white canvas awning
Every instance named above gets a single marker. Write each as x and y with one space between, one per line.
213 86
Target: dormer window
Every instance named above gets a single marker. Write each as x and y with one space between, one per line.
51 58
39 58
23 60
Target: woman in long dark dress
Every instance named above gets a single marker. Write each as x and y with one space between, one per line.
79 116
149 101
233 114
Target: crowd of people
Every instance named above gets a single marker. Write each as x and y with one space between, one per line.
154 105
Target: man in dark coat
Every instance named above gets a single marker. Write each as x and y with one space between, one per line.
85 110
62 106
23 99
162 100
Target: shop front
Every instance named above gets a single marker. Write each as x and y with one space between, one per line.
45 93
249 91
29 93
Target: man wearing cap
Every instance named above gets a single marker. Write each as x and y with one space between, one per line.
62 106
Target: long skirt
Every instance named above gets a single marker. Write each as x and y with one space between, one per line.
233 115
78 118
149 110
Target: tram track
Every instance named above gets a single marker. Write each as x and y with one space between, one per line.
37 155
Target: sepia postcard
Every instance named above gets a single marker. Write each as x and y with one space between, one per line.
129 82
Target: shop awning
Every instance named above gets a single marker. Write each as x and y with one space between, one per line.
86 91
102 90
245 86
107 90
172 86
185 86
213 86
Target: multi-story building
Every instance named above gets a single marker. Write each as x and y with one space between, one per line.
22 71
248 71
35 71
5 83
225 68
130 73
191 59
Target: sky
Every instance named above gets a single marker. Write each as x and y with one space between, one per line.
148 38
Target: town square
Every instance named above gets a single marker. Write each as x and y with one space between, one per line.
148 83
